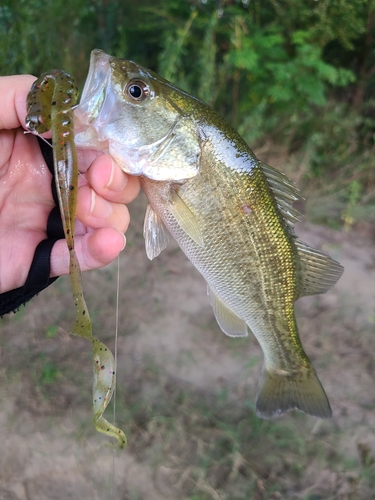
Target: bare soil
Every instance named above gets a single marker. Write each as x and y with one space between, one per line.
184 389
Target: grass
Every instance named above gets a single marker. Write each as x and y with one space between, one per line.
210 448
201 445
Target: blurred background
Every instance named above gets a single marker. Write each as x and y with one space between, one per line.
297 79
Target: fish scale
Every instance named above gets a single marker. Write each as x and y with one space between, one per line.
230 214
235 283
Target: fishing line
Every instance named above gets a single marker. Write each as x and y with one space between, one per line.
40 137
115 389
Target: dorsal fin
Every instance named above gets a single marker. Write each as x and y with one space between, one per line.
318 272
286 193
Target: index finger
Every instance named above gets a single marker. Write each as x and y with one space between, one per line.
13 92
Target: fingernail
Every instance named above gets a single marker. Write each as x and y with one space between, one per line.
119 183
124 245
93 199
99 206
108 185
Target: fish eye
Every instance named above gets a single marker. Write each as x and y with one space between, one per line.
137 90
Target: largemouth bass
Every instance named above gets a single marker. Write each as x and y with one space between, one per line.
231 215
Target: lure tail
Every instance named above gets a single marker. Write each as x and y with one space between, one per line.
103 387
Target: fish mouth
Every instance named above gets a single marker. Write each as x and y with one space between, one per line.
99 110
96 104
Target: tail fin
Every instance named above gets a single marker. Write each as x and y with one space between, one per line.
280 391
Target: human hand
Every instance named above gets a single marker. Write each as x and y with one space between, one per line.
26 199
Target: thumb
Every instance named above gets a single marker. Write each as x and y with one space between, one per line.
94 250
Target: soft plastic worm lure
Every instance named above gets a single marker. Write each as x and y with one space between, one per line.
49 107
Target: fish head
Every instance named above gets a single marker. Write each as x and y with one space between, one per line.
140 119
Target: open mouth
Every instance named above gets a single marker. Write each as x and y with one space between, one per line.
96 105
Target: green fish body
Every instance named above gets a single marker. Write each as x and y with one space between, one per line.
230 214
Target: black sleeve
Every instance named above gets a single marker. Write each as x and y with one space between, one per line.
39 275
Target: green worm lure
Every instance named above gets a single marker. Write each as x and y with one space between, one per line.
49 107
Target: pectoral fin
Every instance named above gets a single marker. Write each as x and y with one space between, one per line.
229 322
185 218
155 233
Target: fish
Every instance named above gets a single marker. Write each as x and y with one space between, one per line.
231 214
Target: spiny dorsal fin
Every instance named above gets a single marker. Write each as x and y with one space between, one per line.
286 193
318 272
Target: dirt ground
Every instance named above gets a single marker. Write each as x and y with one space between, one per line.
172 356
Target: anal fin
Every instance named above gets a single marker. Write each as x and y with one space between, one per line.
230 323
318 272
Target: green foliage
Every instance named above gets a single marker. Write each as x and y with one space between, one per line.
51 331
173 49
340 147
49 373
46 371
273 68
